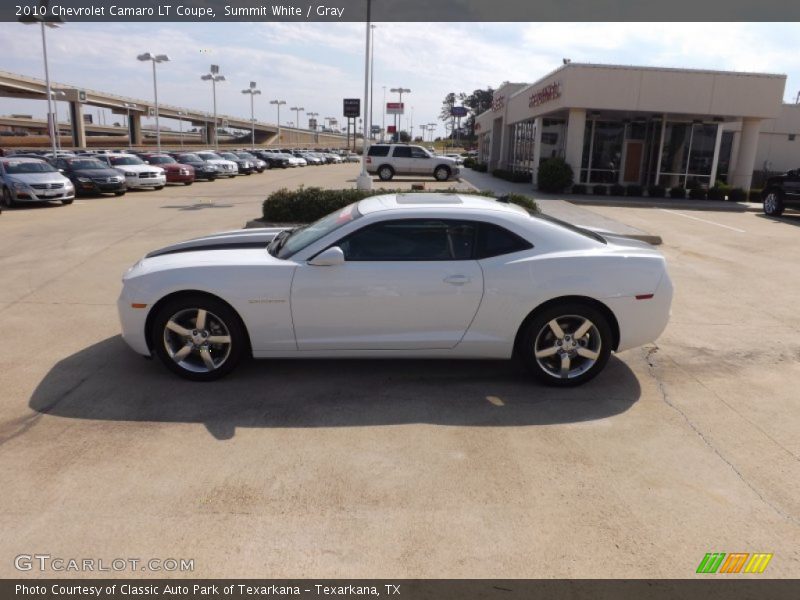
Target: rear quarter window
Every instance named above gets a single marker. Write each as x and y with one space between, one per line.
494 240
378 151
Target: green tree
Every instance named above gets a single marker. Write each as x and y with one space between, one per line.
478 101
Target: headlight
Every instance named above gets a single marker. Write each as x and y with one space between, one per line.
19 186
84 180
68 184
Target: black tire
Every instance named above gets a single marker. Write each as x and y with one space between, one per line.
192 367
442 173
773 203
119 193
158 188
68 201
385 173
537 333
188 182
8 199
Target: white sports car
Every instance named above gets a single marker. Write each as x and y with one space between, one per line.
400 276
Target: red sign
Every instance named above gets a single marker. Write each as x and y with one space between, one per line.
391 129
546 94
395 108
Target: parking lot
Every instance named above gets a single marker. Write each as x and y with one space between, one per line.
390 468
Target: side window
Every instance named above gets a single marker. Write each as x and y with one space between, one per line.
494 240
378 151
402 152
411 239
418 153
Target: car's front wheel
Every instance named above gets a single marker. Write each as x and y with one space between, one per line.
441 174
385 173
566 345
198 337
773 204
67 200
8 199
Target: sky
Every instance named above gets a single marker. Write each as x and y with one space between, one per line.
316 65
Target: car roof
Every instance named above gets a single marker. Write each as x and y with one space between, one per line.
8 159
440 201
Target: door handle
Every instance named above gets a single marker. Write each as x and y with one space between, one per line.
457 279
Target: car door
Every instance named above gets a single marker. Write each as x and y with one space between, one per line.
401 160
791 185
421 161
406 284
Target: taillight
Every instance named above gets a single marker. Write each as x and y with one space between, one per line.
369 160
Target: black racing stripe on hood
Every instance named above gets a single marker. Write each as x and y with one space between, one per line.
230 246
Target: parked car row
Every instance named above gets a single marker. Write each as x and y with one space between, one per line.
39 176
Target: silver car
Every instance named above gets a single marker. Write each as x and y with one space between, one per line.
33 180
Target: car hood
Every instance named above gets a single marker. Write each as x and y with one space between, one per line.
29 178
227 240
138 168
96 173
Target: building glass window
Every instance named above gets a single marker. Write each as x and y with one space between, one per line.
602 155
687 154
724 164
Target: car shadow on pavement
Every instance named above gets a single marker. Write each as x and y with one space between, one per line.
788 218
107 381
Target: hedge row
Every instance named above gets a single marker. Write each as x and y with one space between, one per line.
307 204
719 192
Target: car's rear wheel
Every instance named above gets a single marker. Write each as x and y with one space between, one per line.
158 187
773 204
441 173
385 173
67 201
566 345
8 199
119 193
198 337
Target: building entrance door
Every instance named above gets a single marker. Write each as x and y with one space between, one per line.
634 149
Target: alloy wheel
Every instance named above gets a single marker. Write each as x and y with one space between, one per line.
567 346
197 340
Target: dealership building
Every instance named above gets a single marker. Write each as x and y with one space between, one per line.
644 125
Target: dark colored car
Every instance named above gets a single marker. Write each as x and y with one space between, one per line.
258 163
90 176
781 192
273 160
246 167
176 172
202 169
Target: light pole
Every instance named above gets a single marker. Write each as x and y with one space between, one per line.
214 76
57 94
128 107
278 104
364 181
400 91
432 128
297 110
52 22
155 58
312 115
371 77
383 115
180 125
253 93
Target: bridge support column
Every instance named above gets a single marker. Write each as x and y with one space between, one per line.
78 126
211 133
135 129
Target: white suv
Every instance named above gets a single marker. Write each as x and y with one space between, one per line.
388 160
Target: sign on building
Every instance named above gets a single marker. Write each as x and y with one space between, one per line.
352 108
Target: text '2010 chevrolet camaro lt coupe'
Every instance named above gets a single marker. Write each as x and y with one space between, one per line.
400 276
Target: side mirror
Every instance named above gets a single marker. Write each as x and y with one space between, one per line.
331 257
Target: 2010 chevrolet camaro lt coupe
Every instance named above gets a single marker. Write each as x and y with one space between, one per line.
400 276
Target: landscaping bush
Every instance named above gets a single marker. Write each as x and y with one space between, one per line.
305 205
717 193
512 176
480 167
678 192
634 190
600 190
579 188
520 200
697 193
555 175
469 163
617 190
656 191
754 196
737 195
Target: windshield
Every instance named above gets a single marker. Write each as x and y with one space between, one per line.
189 158
229 156
125 160
291 241
246 155
87 163
209 156
160 160
17 167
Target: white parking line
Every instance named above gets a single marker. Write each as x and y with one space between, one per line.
702 220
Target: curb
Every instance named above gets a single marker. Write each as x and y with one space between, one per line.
710 205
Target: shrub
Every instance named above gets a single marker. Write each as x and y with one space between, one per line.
579 188
634 190
513 176
693 184
520 200
469 163
754 196
617 190
600 190
305 205
677 192
656 191
717 193
737 195
555 175
697 194
480 167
